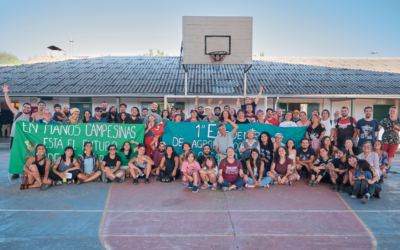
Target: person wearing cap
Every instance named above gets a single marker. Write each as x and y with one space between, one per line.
97 116
158 153
74 117
209 116
296 116
337 171
154 108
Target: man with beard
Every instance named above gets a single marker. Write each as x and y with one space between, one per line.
145 111
200 109
296 116
279 116
305 156
135 116
367 128
206 152
97 116
154 108
270 118
18 116
210 117
345 127
158 153
247 101
217 111
249 115
66 110
104 106
338 171
39 114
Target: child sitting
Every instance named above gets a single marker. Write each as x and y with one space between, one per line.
190 170
209 173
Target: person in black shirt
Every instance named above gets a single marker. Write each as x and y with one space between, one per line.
145 111
206 152
200 109
217 111
104 106
110 166
112 116
240 117
266 150
248 101
135 116
338 171
305 156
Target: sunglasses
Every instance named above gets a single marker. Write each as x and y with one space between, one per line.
113 149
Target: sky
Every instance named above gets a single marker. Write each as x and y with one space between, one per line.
284 28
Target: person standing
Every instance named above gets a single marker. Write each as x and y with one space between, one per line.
209 116
59 116
87 114
240 117
200 109
337 115
157 117
390 137
145 111
97 116
39 114
122 109
288 121
104 106
279 116
249 115
345 127
135 116
47 117
296 116
217 111
270 118
328 124
74 117
315 132
224 140
18 116
6 121
367 128
247 101
303 120
66 110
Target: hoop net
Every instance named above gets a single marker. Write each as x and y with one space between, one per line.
217 57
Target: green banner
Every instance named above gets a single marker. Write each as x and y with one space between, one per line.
57 137
201 133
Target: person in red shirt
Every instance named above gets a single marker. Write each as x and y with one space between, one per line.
270 118
345 127
230 172
249 115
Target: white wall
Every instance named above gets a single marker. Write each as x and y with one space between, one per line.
338 105
360 105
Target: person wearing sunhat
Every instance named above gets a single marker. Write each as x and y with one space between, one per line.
209 116
296 116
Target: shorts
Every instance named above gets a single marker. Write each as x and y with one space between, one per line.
153 167
124 167
390 149
321 172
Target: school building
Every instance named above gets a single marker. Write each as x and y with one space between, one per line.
289 83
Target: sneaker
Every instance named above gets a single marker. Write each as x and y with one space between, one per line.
335 188
378 195
241 188
311 183
44 186
195 189
249 186
205 186
225 189
57 183
289 183
341 188
135 181
15 176
79 182
316 184
173 178
381 181
214 187
354 196
365 198
266 186
108 180
274 183
146 181
158 178
190 185
98 179
118 180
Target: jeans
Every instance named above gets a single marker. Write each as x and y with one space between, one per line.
264 181
239 182
360 186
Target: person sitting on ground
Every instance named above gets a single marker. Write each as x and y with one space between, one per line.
230 172
112 116
350 146
89 165
178 118
305 156
208 173
371 157
224 117
65 164
110 166
206 152
327 143
74 117
360 177
260 116
315 132
86 116
281 167
126 153
169 164
47 118
232 115
36 170
304 122
240 117
209 116
383 159
351 165
249 114
255 171
246 146
288 121
292 155
270 119
186 147
247 101
278 141
140 165
193 116
59 116
224 139
338 171
135 116
157 154
190 170
319 169
97 116
266 150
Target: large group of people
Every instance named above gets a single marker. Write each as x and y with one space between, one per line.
329 151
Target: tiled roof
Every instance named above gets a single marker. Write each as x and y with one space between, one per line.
160 75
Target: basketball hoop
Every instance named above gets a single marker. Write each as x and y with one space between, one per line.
217 57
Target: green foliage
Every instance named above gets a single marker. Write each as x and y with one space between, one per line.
151 53
7 58
262 54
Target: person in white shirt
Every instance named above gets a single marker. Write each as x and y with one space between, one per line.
288 121
328 124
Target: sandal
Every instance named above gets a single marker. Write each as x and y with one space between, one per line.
316 183
24 186
311 183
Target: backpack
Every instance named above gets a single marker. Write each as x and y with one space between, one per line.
19 114
237 163
351 122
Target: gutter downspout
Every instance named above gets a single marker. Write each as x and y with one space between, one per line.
245 80
186 73
276 103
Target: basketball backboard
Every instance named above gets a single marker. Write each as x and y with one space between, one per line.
204 35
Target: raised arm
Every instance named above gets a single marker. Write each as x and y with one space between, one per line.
238 103
234 125
259 95
8 100
195 102
209 102
152 144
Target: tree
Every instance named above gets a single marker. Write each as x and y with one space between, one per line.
151 52
10 59
262 54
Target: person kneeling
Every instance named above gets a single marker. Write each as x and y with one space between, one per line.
362 179
230 173
66 168
208 173
255 170
320 167
190 170
110 166
89 163
166 172
36 170
281 167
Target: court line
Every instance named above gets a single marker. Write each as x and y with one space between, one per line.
240 235
373 239
103 219
198 211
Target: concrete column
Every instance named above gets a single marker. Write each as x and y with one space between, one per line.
245 86
265 103
165 102
117 103
353 107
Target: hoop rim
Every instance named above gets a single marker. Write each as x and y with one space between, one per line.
217 56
